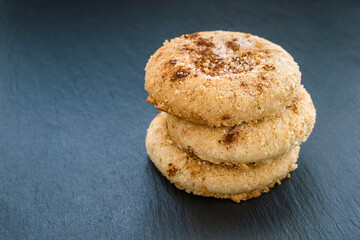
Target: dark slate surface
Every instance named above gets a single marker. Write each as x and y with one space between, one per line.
73 120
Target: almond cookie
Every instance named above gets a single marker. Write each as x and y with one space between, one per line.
247 142
221 78
192 174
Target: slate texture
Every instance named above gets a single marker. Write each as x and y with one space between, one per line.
73 120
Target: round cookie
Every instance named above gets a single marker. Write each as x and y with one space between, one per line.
247 142
200 177
221 78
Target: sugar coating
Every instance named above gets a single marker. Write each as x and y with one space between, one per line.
200 177
247 142
221 78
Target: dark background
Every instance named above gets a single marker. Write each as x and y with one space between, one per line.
73 120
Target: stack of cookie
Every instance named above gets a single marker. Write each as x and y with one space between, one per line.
234 113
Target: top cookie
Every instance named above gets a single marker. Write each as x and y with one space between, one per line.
221 78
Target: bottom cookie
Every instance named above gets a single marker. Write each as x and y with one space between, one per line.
239 196
203 178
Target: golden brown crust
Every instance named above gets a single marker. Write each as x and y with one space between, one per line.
204 178
247 143
221 78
